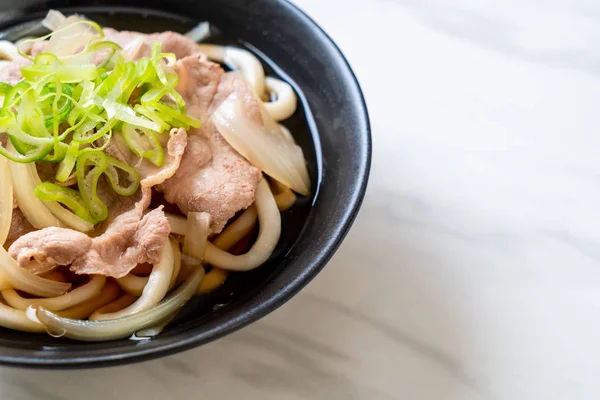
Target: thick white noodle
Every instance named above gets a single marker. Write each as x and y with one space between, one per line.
76 296
156 288
6 200
125 326
41 214
285 102
269 220
18 320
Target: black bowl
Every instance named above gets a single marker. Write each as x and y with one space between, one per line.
332 126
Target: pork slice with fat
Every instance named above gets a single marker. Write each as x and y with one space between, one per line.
213 177
130 239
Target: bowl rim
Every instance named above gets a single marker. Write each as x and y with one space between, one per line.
274 301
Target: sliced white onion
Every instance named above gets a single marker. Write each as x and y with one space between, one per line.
200 32
156 288
24 280
18 320
269 220
65 216
8 51
178 224
125 326
41 214
6 200
267 150
239 60
285 102
33 208
176 262
196 237
76 296
38 268
286 133
68 40
54 20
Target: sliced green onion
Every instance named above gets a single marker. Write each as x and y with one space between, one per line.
126 114
66 107
144 145
168 113
47 59
152 116
144 71
71 198
15 94
58 154
65 168
88 181
31 148
155 59
113 177
64 73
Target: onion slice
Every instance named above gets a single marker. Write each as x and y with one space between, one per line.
156 288
33 208
18 320
41 214
178 224
54 20
196 236
268 150
200 32
6 200
8 51
239 60
70 36
125 326
70 299
24 280
269 220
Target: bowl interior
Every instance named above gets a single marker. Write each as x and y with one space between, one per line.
331 126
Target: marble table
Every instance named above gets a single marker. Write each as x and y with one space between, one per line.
473 270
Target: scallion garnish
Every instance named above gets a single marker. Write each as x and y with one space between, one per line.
68 106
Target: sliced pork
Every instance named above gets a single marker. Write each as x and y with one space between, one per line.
10 71
128 242
131 238
225 182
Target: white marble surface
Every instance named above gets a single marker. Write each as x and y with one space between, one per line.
473 271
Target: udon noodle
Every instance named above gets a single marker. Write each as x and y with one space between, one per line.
96 123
